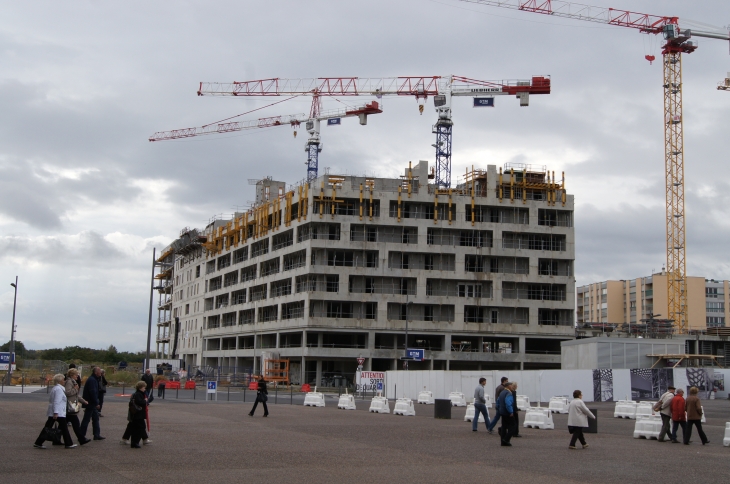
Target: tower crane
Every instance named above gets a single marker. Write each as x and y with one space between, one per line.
677 42
442 89
312 124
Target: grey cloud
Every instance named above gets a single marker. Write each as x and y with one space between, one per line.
91 249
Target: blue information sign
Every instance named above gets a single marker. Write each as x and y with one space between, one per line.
334 122
483 102
416 354
379 386
212 386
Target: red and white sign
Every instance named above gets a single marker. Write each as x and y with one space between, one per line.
368 380
360 361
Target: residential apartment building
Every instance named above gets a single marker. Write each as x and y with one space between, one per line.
336 269
631 300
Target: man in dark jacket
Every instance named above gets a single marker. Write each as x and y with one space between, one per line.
497 393
505 407
91 407
150 381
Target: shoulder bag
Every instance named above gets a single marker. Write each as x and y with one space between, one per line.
72 407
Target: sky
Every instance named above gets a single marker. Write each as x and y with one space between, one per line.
85 197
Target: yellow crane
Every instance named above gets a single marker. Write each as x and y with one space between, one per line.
677 42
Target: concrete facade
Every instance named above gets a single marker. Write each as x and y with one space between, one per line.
320 274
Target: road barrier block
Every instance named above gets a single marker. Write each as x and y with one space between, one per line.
558 405
314 399
379 405
404 406
625 409
425 397
523 402
726 440
457 399
470 411
647 427
538 418
346 402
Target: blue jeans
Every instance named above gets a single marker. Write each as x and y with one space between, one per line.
493 423
90 413
480 408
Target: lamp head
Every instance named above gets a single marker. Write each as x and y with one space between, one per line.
13 284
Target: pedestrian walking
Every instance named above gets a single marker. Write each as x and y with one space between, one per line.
131 425
505 406
91 407
497 393
664 407
262 395
136 416
517 416
679 416
150 382
578 415
694 416
480 406
73 406
102 390
56 414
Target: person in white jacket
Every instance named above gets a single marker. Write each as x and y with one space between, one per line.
578 415
57 402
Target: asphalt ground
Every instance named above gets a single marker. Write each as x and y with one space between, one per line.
199 441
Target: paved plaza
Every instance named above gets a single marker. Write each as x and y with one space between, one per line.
197 441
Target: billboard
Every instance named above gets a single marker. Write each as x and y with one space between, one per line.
367 381
4 359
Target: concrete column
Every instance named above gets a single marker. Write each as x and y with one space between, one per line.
318 378
431 364
447 349
277 340
320 341
302 371
520 345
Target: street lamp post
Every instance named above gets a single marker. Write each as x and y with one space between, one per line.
12 333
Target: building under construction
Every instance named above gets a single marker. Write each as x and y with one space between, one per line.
479 276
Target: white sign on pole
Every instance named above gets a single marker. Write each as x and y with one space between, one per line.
367 381
212 386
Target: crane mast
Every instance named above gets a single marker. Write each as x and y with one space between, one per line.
677 42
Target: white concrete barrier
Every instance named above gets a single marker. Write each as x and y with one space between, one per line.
726 440
538 418
404 406
625 409
644 409
346 402
425 397
523 402
379 405
647 427
457 399
558 405
314 399
470 411
703 419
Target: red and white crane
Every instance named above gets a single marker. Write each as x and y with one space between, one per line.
441 88
677 42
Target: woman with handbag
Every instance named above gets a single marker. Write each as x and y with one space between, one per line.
262 395
73 405
56 415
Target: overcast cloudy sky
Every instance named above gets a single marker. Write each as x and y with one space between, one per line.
84 197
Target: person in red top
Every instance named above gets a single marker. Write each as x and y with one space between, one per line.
679 417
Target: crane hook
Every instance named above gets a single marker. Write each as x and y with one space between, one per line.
650 58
